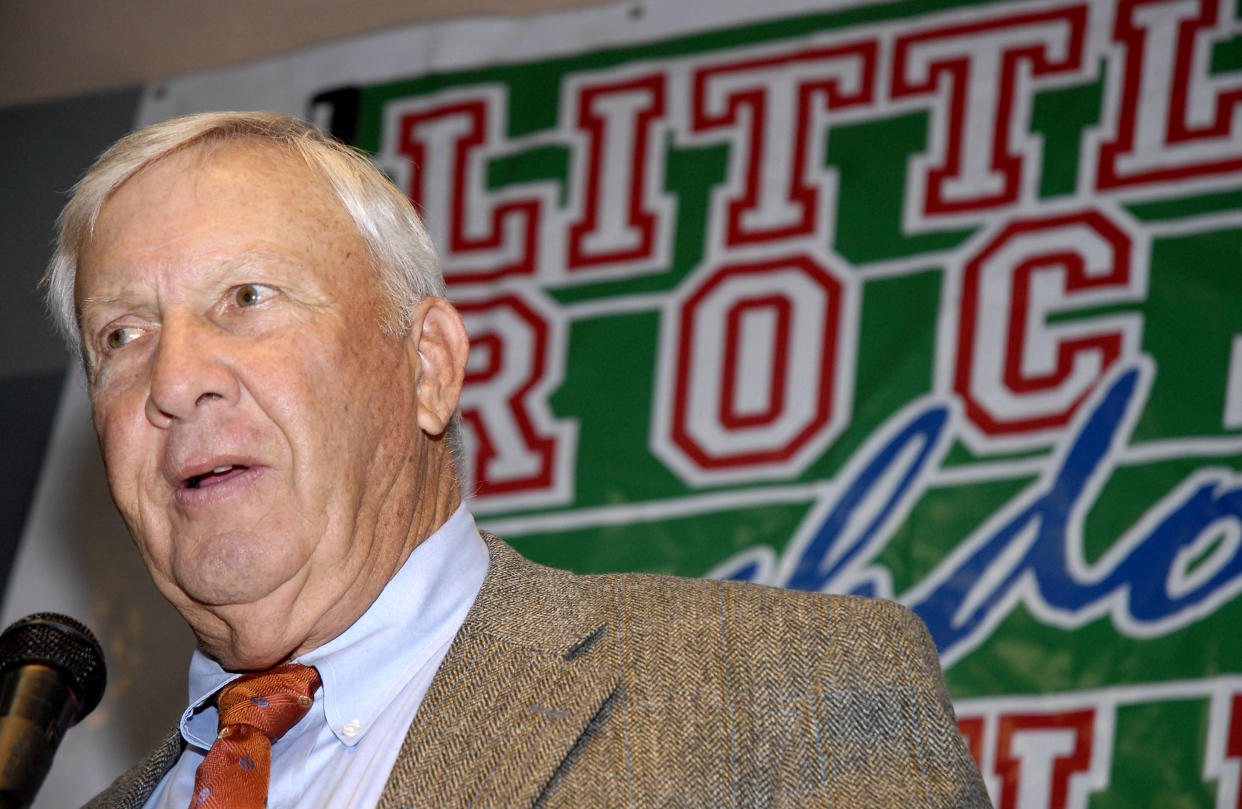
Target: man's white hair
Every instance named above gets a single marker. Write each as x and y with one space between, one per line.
401 252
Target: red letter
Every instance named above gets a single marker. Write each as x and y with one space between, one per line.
750 365
1175 121
1038 754
980 155
972 729
1016 371
775 109
1223 757
480 237
1233 748
625 218
516 451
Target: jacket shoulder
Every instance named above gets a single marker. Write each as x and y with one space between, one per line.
702 618
794 693
794 617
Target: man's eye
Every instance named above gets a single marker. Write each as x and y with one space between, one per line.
118 337
249 295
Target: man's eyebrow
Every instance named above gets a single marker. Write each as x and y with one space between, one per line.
239 262
96 303
248 259
100 300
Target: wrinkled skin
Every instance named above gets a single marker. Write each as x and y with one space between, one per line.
232 322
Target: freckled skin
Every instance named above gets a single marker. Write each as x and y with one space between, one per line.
332 423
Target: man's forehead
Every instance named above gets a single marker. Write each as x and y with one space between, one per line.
249 160
243 172
245 185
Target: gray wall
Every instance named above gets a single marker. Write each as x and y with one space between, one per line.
46 147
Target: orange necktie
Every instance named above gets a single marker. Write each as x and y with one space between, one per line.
255 710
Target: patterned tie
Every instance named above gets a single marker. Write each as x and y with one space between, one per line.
255 710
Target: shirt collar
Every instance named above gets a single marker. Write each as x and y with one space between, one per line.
418 612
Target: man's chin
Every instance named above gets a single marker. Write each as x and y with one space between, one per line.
240 637
234 659
239 621
231 570
213 594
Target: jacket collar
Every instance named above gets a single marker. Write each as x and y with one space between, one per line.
527 673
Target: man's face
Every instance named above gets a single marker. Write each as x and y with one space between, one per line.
260 430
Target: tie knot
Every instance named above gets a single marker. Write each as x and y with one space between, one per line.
271 701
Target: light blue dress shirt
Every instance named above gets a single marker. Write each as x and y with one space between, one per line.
374 677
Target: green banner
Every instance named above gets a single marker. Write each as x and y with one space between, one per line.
926 301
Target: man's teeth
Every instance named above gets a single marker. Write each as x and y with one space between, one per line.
193 483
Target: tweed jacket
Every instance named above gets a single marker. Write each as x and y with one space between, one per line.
646 691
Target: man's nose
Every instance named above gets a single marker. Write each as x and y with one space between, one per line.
189 373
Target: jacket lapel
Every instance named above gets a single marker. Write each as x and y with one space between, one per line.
524 678
131 790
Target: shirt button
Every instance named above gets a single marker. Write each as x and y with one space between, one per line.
352 729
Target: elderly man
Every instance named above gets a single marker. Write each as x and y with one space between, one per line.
273 373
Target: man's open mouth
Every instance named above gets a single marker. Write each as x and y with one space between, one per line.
215 475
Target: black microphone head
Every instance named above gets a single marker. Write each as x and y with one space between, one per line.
62 643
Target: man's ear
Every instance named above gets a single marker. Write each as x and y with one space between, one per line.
438 339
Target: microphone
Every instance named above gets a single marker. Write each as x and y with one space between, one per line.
51 675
